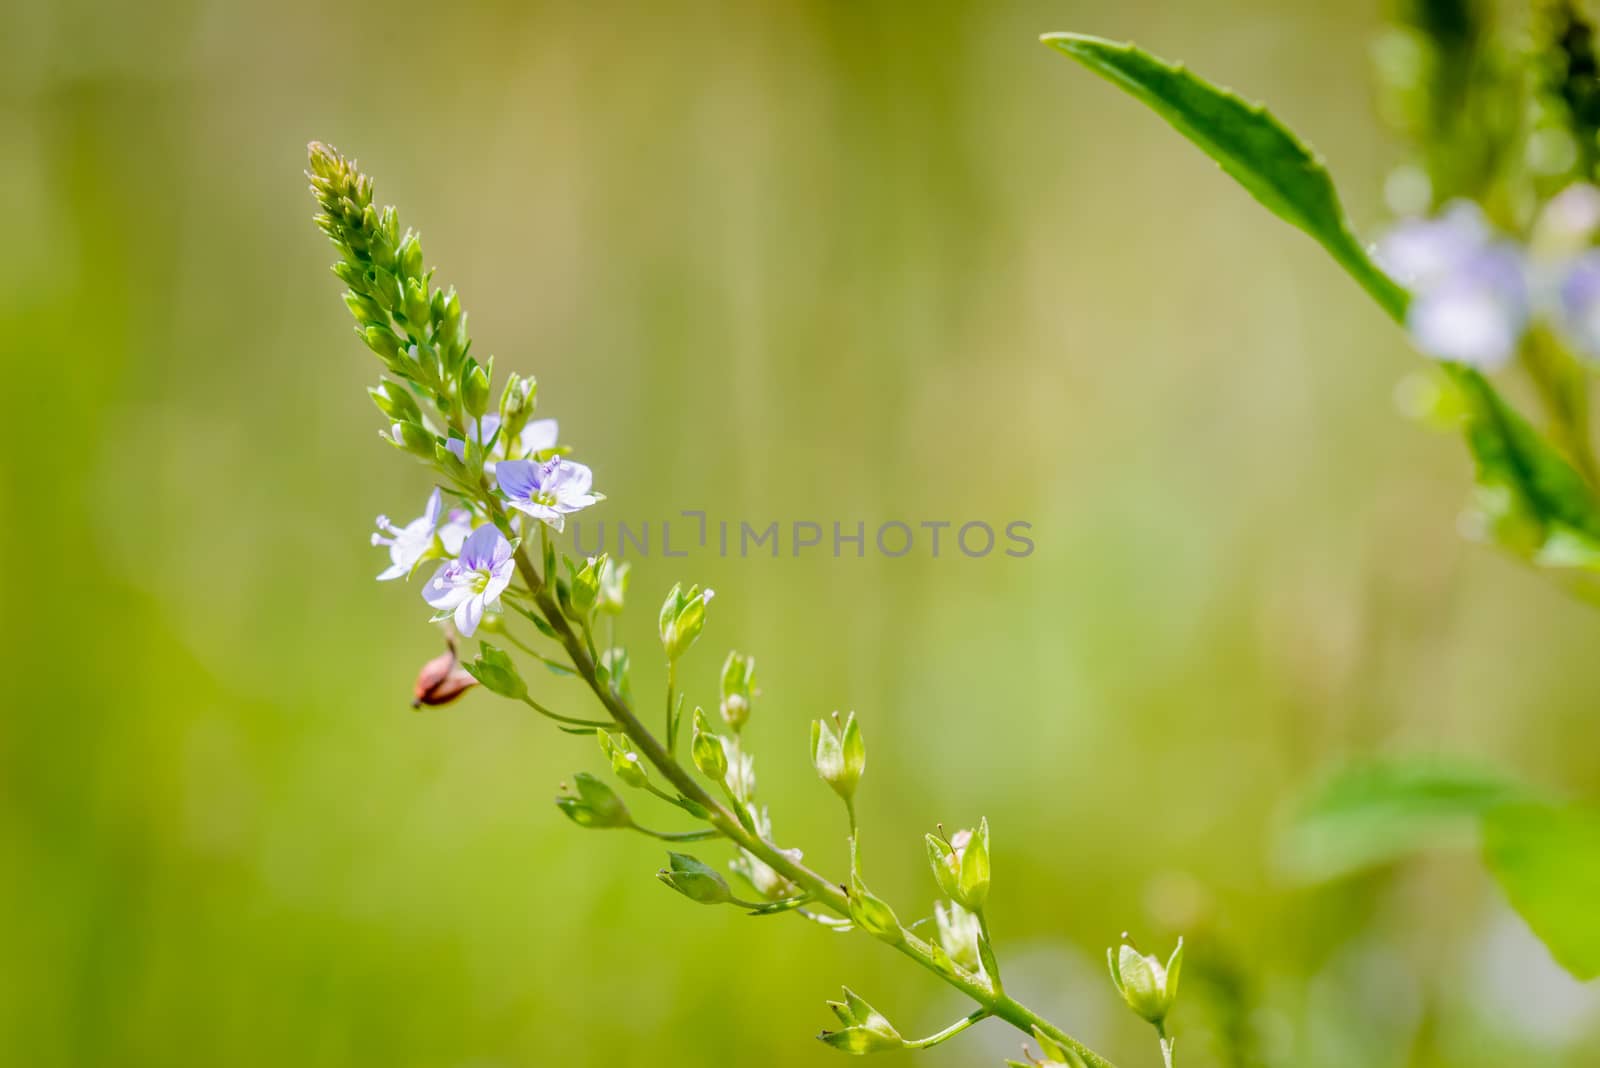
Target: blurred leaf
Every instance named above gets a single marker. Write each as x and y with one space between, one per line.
1376 812
1547 860
1537 503
1252 146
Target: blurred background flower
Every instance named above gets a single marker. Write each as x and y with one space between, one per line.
829 232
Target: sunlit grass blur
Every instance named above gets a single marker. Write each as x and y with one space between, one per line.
809 261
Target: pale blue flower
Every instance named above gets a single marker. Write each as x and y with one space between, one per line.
472 583
1470 291
538 436
432 534
548 491
1580 303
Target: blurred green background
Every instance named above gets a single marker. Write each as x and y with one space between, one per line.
802 261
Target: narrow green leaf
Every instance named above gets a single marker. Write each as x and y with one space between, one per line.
1377 812
1544 490
1547 859
1252 146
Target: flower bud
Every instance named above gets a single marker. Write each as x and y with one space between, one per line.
413 439
498 674
584 592
595 806
873 914
441 680
683 615
396 402
864 1028
1056 1054
366 310
694 880
381 340
624 761
706 748
959 934
417 308
517 403
1149 987
613 587
613 673
410 258
838 753
961 865
475 388
738 688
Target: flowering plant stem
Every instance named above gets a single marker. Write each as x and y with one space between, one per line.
991 1002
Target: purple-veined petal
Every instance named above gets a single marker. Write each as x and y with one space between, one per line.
445 590
518 479
478 551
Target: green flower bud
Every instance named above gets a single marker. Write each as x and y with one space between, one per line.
495 671
416 308
1149 987
475 388
683 616
838 753
624 761
410 258
613 672
706 748
738 689
396 402
366 310
381 340
961 865
595 806
613 587
959 934
863 1028
694 880
873 914
585 587
413 439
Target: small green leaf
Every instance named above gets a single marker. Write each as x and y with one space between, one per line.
1547 859
1376 812
1252 146
1530 487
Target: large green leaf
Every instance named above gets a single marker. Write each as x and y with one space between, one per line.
1376 812
1276 167
1538 503
1547 859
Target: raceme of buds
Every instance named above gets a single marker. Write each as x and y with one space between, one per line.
624 761
959 933
863 1028
442 680
961 865
595 805
694 880
838 753
738 689
873 914
706 748
683 616
1149 987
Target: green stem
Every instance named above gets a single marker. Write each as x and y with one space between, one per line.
559 718
823 890
977 1016
681 836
